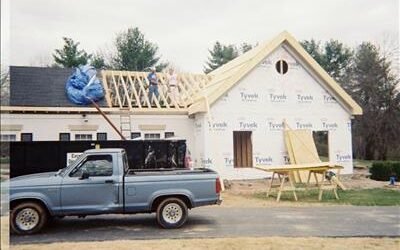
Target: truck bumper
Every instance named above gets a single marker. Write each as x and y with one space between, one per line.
219 200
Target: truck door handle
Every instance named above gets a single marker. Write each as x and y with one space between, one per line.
109 181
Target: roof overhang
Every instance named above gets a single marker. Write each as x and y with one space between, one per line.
80 110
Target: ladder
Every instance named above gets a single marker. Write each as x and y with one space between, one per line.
125 123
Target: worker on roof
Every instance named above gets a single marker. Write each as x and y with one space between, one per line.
153 84
172 80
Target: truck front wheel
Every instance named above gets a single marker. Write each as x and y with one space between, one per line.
28 218
172 213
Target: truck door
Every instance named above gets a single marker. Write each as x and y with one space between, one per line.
92 186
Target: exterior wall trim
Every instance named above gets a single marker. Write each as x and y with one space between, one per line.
145 127
86 127
12 127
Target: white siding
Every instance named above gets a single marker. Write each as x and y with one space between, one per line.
46 127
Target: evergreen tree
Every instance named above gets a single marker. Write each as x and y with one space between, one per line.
134 52
334 57
244 47
314 49
98 62
373 86
70 56
219 55
336 60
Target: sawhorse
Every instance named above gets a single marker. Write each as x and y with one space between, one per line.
282 175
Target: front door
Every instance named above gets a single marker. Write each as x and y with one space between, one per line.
95 192
242 149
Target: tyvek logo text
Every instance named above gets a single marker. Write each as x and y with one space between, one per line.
248 125
302 125
274 125
249 97
263 160
277 97
304 98
329 125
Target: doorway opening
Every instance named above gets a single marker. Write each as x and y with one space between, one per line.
242 149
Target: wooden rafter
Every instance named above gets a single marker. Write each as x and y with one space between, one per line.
129 89
106 89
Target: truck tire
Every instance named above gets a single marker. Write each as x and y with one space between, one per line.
172 213
28 218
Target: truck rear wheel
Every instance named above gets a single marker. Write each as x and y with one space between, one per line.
28 218
172 213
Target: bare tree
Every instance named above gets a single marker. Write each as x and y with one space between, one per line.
5 87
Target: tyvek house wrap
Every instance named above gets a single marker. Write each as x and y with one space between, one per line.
259 103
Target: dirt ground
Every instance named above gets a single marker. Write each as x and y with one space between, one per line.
5 240
240 193
227 243
247 187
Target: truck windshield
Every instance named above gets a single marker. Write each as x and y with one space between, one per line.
62 170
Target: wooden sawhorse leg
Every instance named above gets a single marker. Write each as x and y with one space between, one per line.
270 184
293 188
320 185
282 178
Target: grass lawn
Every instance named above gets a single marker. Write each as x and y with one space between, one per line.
356 197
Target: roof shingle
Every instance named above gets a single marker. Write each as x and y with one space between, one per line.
40 87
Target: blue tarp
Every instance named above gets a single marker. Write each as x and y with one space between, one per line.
83 85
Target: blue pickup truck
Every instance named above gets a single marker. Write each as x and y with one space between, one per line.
101 182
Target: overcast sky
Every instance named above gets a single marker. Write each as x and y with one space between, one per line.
185 29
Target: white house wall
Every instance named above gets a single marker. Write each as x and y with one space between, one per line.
260 102
46 127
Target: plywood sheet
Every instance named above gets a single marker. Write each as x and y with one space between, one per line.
302 150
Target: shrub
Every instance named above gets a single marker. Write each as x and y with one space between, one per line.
381 171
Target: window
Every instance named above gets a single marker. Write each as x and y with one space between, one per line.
102 136
125 162
169 134
83 137
26 137
322 144
135 135
8 137
95 165
281 66
65 137
152 136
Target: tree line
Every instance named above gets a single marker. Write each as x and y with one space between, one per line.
365 72
131 51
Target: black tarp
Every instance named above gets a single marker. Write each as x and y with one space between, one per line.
44 156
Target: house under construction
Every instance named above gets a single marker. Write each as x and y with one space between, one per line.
231 118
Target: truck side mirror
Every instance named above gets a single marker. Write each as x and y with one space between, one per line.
85 175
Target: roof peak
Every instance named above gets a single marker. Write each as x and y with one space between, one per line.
229 74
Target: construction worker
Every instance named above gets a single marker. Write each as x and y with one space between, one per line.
172 79
153 84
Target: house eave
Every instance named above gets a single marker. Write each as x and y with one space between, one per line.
79 110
